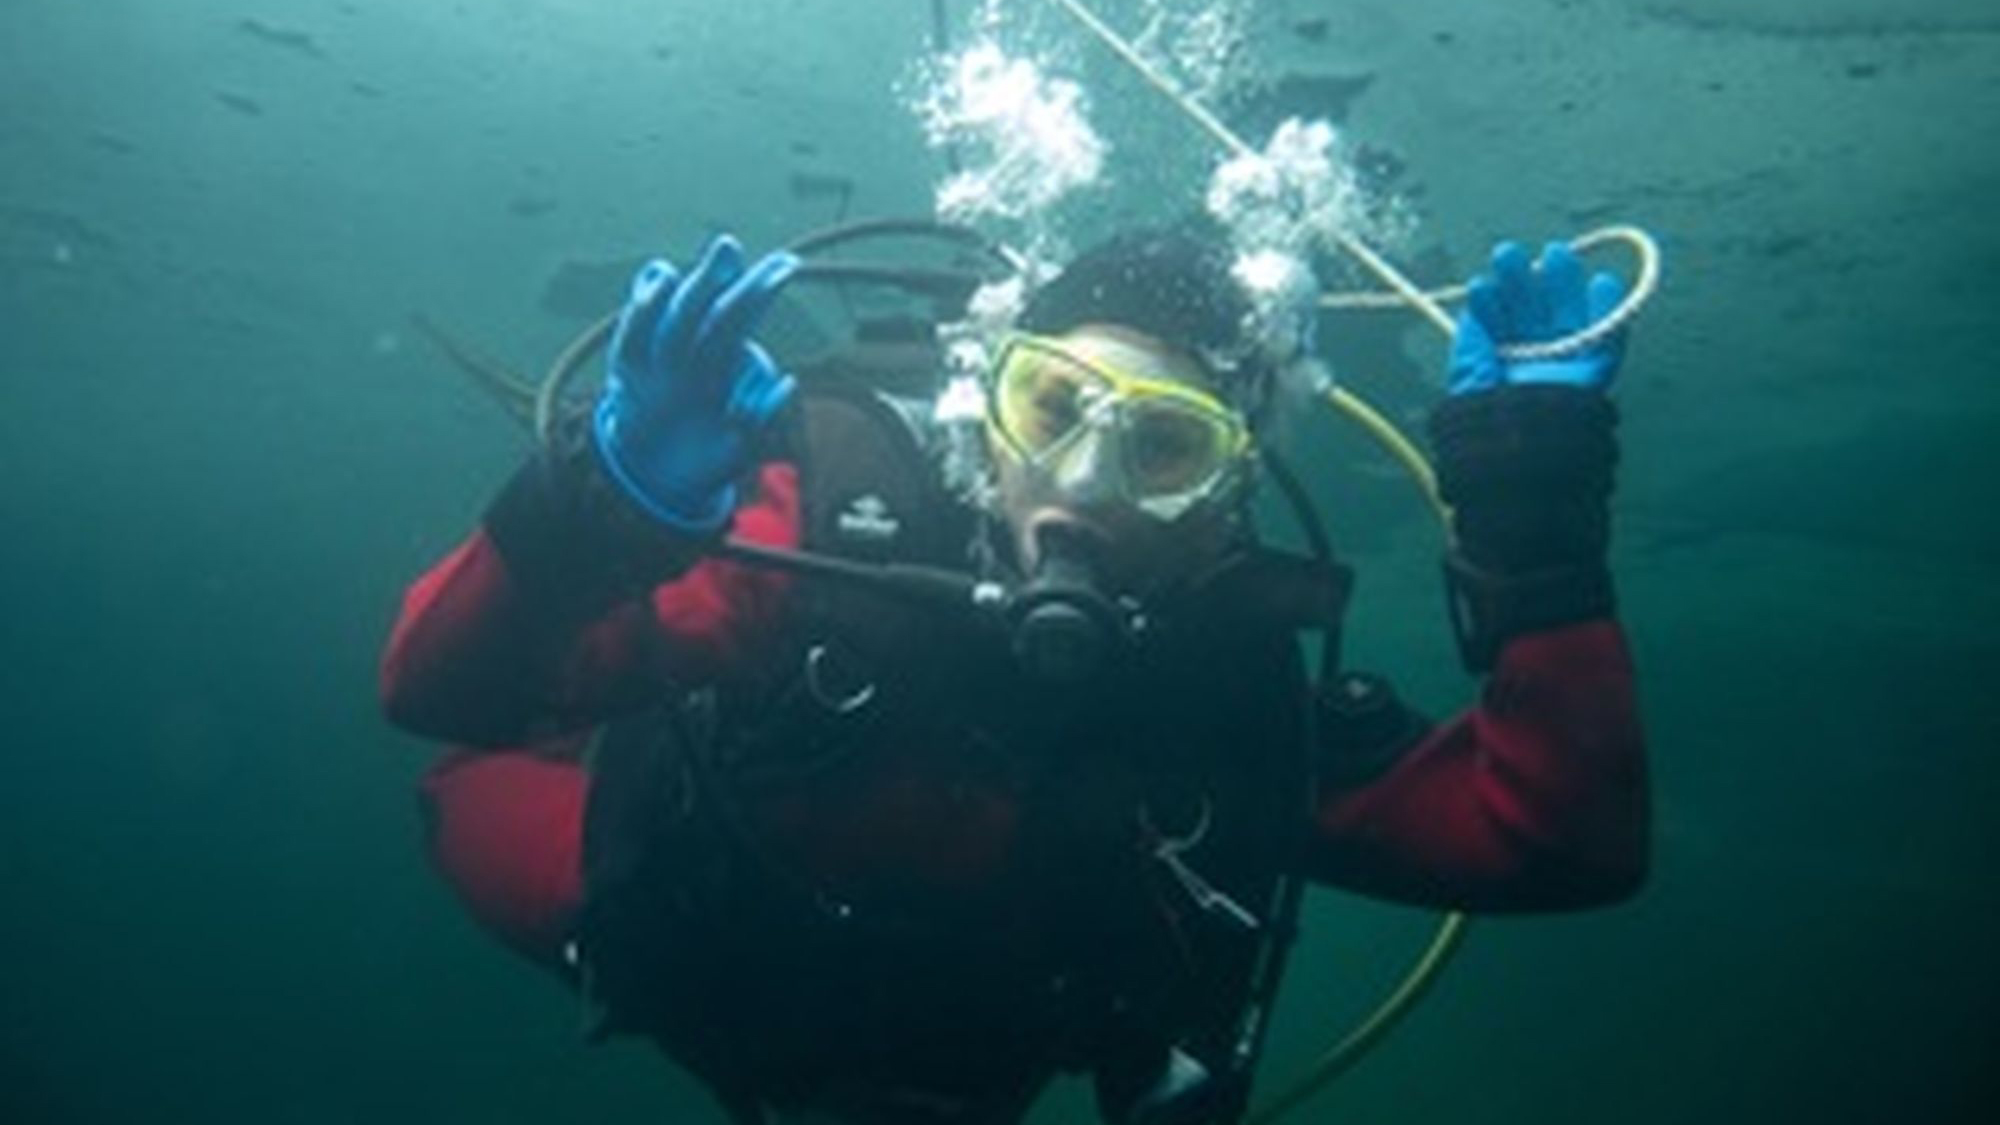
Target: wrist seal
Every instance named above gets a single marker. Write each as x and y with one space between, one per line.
1487 609
569 533
1528 471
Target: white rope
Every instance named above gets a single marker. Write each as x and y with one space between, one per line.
1401 290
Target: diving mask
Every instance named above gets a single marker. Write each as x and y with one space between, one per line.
1097 432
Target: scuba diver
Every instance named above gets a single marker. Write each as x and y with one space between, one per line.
876 801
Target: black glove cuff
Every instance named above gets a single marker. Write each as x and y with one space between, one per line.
1528 472
1489 609
1532 438
569 535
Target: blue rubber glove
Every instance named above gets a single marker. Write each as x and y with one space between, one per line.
1520 303
688 391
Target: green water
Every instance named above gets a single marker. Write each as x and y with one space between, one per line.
225 452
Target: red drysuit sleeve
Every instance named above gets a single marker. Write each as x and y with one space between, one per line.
1536 799
505 829
475 658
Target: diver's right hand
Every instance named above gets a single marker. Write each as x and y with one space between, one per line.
687 390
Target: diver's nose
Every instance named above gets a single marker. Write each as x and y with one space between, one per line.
1084 472
1059 536
1058 533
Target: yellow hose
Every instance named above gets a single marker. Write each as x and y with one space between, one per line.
1401 448
1343 1055
1356 1044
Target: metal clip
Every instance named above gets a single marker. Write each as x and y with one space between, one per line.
1200 891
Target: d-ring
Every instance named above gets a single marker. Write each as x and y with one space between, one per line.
1188 842
816 684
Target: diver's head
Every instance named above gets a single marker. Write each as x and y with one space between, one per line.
1122 415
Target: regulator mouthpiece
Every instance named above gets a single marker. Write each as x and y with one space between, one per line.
1065 628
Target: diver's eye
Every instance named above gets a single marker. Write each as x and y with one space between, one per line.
1169 451
1043 398
1054 411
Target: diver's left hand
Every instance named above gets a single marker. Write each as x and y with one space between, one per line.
1522 303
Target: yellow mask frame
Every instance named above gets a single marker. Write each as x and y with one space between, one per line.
1099 431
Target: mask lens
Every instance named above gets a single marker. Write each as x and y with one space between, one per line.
1152 441
1043 397
1170 448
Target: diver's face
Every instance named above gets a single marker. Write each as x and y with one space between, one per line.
1085 489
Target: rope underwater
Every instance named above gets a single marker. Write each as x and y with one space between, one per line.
1401 289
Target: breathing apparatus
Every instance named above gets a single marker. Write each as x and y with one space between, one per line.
1064 625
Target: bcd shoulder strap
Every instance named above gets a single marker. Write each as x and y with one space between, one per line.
869 487
871 491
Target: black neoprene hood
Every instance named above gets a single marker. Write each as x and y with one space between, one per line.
1172 283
